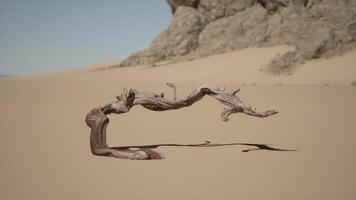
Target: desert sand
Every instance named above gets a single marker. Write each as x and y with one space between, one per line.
44 145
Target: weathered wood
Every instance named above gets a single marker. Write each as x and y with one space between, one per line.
97 118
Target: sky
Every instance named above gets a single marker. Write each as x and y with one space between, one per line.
40 36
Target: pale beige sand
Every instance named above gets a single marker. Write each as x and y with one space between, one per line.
44 144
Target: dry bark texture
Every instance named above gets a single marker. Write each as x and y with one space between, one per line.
317 28
97 118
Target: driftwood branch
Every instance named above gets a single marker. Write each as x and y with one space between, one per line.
97 118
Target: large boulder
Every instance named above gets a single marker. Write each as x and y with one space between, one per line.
317 28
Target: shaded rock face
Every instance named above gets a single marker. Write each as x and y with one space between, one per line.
178 3
317 28
179 39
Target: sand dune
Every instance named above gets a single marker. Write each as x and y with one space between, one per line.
45 151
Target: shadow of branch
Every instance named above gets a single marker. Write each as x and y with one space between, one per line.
266 147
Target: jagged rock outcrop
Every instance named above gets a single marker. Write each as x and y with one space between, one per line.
317 28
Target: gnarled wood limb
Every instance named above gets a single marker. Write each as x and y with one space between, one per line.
173 86
97 118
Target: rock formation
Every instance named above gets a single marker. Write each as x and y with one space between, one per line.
317 28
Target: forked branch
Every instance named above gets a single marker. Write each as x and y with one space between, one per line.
97 118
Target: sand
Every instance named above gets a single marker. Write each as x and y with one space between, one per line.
44 144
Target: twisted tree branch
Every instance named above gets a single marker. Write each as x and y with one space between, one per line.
97 118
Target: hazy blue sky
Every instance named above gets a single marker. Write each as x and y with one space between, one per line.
52 35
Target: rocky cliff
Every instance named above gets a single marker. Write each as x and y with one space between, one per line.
317 28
